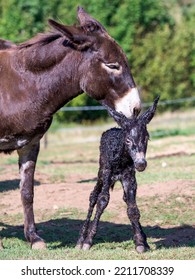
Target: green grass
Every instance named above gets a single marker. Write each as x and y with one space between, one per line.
161 133
113 241
168 220
162 221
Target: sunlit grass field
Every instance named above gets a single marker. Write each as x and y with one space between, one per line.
166 195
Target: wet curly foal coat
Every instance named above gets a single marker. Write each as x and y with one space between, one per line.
122 152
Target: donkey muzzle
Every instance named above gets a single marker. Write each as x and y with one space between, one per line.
140 164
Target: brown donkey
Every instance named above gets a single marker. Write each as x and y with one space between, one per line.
41 75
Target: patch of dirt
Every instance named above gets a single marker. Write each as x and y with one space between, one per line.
75 193
163 189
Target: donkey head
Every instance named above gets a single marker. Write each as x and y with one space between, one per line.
103 71
136 134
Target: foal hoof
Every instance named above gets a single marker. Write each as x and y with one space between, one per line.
141 249
86 246
79 246
39 245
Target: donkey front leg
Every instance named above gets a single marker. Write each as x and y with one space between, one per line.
130 186
27 162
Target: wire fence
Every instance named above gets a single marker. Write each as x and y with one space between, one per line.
98 108
95 108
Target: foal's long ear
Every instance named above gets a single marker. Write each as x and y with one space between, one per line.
74 34
88 23
149 114
121 119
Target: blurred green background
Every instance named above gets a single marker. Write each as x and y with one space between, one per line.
158 37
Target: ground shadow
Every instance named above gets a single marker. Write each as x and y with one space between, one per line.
88 180
10 185
65 231
72 161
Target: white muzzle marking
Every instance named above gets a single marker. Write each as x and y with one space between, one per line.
128 102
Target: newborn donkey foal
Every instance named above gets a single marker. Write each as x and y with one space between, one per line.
122 151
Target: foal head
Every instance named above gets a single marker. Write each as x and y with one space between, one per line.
136 134
104 71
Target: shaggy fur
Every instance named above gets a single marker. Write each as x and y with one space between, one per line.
122 152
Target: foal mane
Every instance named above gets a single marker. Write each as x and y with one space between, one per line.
40 39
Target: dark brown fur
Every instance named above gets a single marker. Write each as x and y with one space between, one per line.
41 75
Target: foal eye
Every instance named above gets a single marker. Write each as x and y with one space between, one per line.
129 142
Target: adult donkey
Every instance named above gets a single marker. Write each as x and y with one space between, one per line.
41 75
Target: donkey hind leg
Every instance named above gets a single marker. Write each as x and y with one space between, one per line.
130 187
101 203
27 162
92 202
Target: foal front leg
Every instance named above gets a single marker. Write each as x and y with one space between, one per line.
130 187
27 162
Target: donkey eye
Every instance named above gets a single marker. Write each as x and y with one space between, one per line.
114 66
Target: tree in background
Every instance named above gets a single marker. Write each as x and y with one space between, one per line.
164 59
157 36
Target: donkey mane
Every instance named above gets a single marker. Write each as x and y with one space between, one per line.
40 39
42 51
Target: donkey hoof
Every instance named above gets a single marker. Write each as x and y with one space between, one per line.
39 245
86 246
141 249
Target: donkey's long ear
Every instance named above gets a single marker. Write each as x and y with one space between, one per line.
121 119
149 114
74 34
88 23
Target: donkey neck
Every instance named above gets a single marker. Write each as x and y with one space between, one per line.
52 73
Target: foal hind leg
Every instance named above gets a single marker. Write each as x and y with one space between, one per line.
130 186
102 202
1 245
27 162
92 202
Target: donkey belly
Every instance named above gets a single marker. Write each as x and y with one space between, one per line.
18 136
10 143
